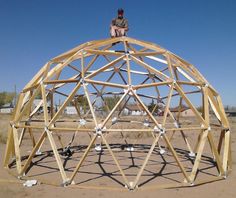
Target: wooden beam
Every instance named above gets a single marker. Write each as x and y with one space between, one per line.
104 67
226 152
17 149
190 104
61 81
149 68
32 154
27 106
141 86
199 155
167 105
106 83
105 52
151 46
9 147
146 160
71 95
146 53
50 138
176 158
82 159
116 161
169 65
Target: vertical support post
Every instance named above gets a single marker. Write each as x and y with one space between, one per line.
203 136
167 105
146 160
202 141
49 135
169 65
10 150
82 64
17 150
226 151
51 103
9 147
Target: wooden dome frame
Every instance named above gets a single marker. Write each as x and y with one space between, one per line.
50 75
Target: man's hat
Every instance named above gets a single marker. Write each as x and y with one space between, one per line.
120 11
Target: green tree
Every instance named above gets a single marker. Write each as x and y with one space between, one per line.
200 109
38 96
83 102
110 102
151 106
6 97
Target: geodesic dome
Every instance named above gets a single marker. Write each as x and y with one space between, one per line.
124 111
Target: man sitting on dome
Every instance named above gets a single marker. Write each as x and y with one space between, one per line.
119 25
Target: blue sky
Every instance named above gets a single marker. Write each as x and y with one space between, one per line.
202 32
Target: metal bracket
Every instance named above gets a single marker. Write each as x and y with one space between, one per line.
146 123
99 130
130 187
82 122
114 120
159 129
66 183
82 81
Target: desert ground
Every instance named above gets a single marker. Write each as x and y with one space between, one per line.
12 187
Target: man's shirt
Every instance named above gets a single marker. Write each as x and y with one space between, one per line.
122 23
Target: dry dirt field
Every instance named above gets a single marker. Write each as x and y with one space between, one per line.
10 187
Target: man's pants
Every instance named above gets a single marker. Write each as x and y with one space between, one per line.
117 32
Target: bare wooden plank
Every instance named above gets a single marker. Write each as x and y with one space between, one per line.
169 65
61 81
17 149
116 161
9 147
176 158
190 83
32 154
167 105
226 151
50 138
146 53
26 107
217 109
215 153
104 52
82 159
71 95
146 160
76 49
37 77
155 84
151 46
106 83
199 155
149 68
104 67
190 104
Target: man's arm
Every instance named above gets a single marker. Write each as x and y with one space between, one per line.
113 22
126 25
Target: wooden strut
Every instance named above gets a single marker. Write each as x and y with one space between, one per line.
49 83
50 138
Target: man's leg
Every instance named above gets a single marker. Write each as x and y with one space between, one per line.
112 31
122 32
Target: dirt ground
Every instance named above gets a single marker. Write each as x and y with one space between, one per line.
12 188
